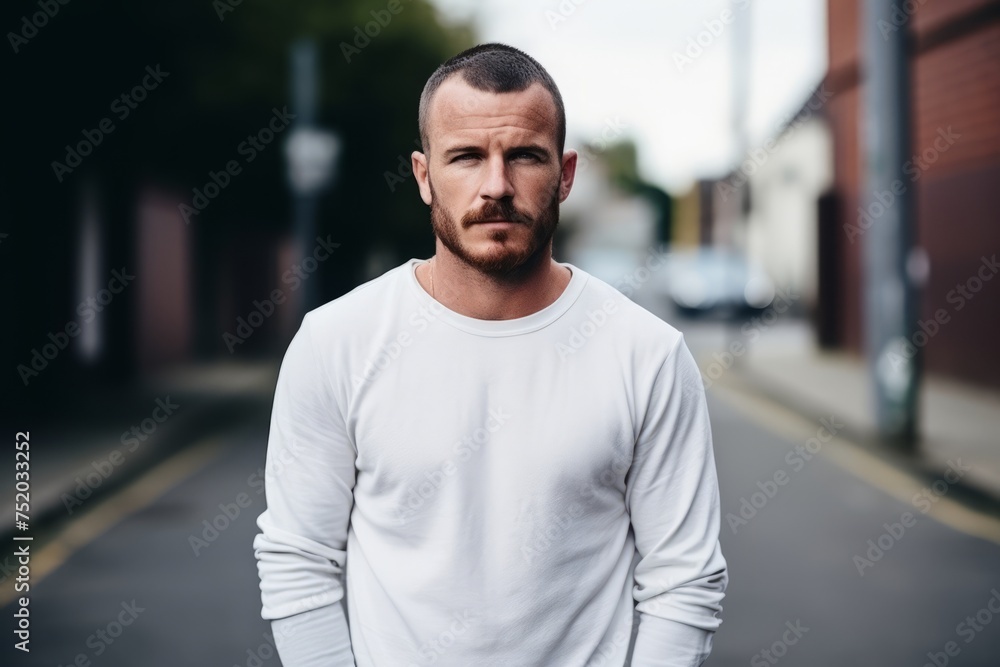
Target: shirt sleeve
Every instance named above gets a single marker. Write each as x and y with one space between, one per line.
316 638
672 495
309 479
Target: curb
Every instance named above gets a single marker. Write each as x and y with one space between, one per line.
914 462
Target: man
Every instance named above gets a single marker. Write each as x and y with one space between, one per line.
493 457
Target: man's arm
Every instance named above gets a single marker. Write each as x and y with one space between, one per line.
309 483
672 495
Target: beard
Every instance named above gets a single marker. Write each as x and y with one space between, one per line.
509 255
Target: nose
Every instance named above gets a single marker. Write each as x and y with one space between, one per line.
496 182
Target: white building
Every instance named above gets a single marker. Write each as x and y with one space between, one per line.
786 178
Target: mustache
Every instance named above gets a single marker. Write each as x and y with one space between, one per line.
492 210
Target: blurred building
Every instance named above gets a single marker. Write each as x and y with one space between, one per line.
711 213
767 208
600 215
954 171
604 229
792 172
611 221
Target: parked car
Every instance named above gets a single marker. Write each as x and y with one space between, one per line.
612 265
718 281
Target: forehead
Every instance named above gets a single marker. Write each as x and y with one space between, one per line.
459 111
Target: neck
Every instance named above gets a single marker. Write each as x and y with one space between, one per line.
467 291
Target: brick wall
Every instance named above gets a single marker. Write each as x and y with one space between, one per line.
956 85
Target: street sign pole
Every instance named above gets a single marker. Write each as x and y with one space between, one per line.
311 154
304 91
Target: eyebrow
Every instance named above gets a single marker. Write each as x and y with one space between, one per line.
463 149
536 148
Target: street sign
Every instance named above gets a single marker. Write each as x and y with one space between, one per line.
312 156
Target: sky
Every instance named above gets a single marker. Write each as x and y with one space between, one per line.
661 71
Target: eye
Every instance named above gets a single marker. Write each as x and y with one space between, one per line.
525 155
464 157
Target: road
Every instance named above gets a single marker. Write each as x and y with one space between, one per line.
147 592
139 580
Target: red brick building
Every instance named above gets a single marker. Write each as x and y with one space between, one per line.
955 83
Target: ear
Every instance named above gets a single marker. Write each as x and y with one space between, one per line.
567 175
419 163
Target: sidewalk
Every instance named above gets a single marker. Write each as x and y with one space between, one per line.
76 459
955 419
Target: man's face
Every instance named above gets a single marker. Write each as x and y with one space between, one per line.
492 175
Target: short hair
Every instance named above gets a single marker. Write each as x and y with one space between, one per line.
494 68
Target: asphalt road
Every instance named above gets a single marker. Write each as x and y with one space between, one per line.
802 560
144 593
130 584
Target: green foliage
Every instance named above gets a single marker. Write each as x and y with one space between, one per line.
622 162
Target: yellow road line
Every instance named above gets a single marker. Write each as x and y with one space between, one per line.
136 496
853 458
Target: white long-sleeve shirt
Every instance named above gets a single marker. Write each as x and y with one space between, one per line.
489 492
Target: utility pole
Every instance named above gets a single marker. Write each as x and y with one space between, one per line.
740 31
890 295
311 154
735 239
